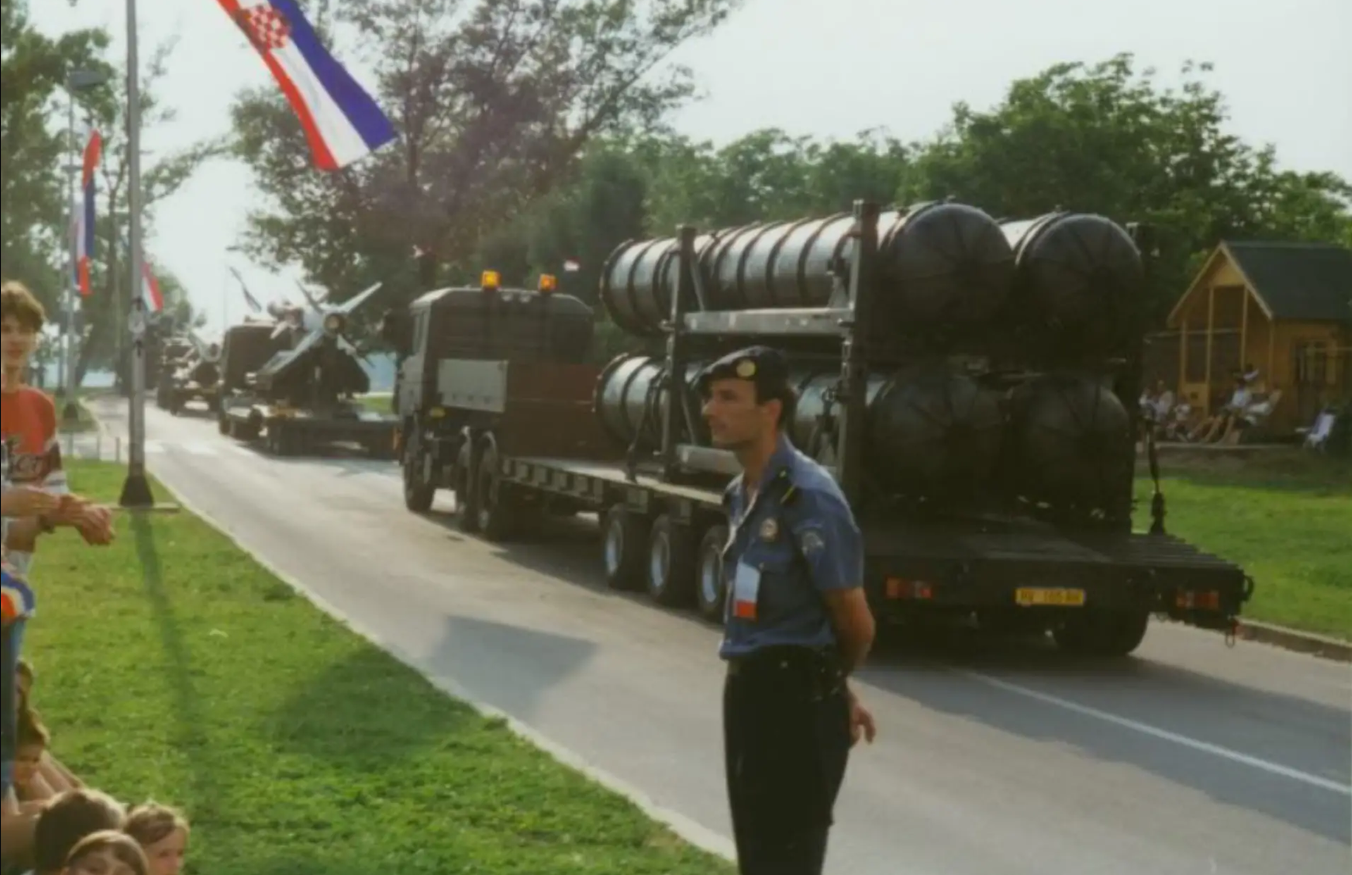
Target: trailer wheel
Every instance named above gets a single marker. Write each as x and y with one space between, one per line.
497 511
623 548
466 495
710 586
671 563
223 425
419 487
1103 633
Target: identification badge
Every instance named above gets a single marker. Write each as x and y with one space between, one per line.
746 592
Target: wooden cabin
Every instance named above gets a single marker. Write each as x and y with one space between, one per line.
1281 309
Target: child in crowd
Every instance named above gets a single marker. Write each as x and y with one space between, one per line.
162 834
57 776
107 853
33 739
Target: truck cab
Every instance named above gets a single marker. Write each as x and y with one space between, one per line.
464 351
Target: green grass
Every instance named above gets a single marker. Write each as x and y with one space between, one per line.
173 666
1287 519
378 402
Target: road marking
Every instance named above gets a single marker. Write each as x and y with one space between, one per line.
1164 734
199 448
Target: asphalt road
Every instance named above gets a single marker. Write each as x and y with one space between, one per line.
993 757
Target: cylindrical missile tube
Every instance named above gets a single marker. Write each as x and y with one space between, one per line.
931 429
1071 441
1079 275
940 263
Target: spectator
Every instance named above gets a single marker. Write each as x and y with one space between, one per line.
66 821
107 853
57 776
33 739
28 427
1220 422
32 458
162 833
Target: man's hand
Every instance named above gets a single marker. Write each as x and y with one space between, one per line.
861 722
26 501
95 525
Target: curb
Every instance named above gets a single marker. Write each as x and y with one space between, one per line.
1291 639
682 826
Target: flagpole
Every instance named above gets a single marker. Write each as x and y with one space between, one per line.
70 410
136 489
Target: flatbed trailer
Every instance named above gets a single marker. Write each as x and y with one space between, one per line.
177 395
285 431
1004 571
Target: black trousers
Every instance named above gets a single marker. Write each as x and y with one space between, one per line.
786 728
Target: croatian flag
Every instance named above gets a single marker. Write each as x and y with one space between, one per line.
341 121
84 235
152 300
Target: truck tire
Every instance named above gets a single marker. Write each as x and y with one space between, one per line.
710 586
465 478
1103 633
624 552
497 513
671 563
223 424
419 489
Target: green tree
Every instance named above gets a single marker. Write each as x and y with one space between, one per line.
33 72
105 309
494 107
1104 139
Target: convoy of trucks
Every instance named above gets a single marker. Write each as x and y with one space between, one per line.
973 385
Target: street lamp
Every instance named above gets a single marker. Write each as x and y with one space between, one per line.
78 80
136 488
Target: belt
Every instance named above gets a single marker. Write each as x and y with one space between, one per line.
783 658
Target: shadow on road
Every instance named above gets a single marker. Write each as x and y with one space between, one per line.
526 666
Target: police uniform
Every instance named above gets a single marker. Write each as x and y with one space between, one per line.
786 709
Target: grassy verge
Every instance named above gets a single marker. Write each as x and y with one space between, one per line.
172 666
1286 519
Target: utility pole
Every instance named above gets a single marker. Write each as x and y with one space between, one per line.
136 489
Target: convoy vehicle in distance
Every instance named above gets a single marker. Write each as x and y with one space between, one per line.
292 383
972 385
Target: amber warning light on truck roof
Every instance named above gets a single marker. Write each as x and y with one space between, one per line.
548 283
490 281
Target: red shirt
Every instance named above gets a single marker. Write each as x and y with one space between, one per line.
28 426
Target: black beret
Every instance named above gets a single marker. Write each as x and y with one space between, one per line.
762 365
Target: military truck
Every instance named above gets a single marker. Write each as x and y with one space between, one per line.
972 385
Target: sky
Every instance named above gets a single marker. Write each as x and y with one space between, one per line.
824 68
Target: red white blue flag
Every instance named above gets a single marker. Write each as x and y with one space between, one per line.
84 222
152 300
342 123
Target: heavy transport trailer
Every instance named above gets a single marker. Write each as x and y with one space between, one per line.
520 432
297 398
286 431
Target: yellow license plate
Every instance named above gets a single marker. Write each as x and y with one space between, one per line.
1033 596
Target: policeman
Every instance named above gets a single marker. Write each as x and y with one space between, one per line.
796 621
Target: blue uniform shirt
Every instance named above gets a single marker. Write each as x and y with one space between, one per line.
801 536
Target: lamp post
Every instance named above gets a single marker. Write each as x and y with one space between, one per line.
136 488
78 80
